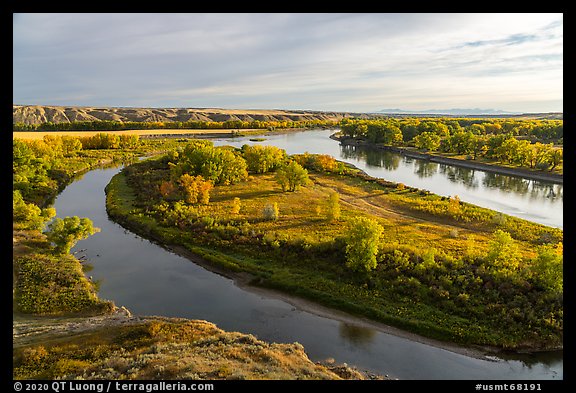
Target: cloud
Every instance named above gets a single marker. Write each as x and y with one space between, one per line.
350 62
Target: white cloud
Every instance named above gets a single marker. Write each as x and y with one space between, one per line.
350 62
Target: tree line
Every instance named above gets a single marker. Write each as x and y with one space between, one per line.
114 125
516 142
392 130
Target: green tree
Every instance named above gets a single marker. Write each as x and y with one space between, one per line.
218 164
547 267
261 159
504 255
292 176
427 141
333 213
362 244
28 214
65 233
555 158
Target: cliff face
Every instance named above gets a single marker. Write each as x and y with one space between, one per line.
36 114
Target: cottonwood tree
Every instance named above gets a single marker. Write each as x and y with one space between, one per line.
218 164
65 233
333 213
362 244
261 159
28 214
196 189
292 176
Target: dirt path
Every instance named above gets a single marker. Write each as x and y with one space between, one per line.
29 329
370 204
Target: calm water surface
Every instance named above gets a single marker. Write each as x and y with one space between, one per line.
532 200
150 280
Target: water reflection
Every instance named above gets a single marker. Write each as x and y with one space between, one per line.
533 200
529 360
374 158
533 190
466 177
425 168
358 335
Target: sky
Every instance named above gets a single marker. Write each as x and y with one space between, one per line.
325 62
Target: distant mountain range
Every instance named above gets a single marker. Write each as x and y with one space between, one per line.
452 111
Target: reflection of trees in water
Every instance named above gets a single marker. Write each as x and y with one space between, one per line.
378 158
506 183
357 335
550 359
425 168
384 159
464 176
347 151
535 190
554 192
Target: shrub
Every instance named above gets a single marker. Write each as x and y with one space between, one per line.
333 213
236 205
271 212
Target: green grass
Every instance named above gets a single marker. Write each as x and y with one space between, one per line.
48 284
302 253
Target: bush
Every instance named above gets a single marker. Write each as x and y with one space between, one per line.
271 212
333 213
236 206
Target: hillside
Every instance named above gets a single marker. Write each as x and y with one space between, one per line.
36 114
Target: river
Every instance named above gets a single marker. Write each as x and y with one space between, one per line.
150 280
533 200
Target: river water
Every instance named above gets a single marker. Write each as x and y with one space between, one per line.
532 200
150 280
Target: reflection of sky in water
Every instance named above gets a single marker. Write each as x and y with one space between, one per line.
532 200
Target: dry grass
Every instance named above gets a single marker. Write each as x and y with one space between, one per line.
163 348
303 214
